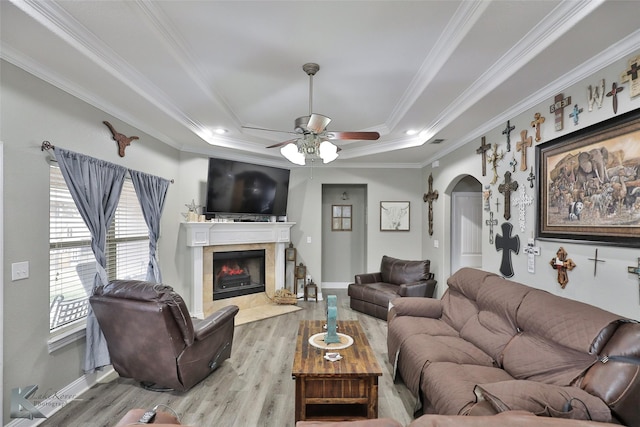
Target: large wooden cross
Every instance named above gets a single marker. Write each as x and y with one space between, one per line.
430 197
522 146
507 131
535 123
507 243
506 188
562 264
493 159
484 147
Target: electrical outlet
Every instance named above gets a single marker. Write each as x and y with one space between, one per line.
436 243
308 239
20 270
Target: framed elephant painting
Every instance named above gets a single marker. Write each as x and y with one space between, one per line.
589 184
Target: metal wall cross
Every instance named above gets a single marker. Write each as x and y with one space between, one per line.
506 188
613 94
522 202
595 262
507 131
635 270
491 222
430 197
484 147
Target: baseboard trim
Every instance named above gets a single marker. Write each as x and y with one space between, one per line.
62 397
335 285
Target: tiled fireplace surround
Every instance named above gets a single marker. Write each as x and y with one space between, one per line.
205 238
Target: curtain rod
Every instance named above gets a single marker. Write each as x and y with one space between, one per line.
46 145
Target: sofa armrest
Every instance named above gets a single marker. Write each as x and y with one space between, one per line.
423 288
417 307
362 279
209 325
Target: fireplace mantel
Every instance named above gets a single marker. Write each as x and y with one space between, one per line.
204 234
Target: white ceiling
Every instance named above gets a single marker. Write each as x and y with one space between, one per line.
450 69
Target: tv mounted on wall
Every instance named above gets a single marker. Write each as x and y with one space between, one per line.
243 188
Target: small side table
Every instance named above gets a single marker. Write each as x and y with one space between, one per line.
314 294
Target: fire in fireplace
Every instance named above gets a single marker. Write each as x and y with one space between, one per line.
237 273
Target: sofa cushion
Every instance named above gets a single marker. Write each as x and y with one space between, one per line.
404 327
421 350
557 335
544 399
397 271
376 293
448 388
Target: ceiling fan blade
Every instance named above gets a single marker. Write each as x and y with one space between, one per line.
366 136
269 130
283 143
317 123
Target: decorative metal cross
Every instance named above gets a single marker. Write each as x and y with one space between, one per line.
491 222
430 197
522 202
507 131
506 188
595 262
513 163
507 244
497 205
613 94
531 178
536 122
631 76
557 108
484 147
575 114
493 159
562 264
522 146
635 270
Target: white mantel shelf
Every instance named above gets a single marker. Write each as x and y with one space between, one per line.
202 234
230 233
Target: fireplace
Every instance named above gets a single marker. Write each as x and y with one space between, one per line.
237 273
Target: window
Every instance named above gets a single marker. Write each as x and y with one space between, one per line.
71 260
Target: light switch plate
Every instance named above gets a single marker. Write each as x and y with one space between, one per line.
20 270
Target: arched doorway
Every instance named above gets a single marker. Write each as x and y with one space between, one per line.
466 224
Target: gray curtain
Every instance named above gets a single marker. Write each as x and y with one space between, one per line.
95 186
151 191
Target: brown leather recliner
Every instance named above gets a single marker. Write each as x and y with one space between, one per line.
372 292
152 339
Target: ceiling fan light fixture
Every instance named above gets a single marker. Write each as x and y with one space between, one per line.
291 153
327 151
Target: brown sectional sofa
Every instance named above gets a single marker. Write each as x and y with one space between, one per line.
372 292
491 345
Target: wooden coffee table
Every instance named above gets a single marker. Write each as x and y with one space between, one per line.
335 391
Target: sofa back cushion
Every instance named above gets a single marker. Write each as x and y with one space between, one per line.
398 271
494 325
556 338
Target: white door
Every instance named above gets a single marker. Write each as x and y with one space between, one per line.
466 230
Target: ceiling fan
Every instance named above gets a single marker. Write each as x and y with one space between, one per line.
313 139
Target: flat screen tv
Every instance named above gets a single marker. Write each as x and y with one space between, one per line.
243 188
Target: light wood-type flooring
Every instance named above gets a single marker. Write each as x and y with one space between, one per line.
252 388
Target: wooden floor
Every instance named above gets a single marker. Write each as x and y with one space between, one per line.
253 388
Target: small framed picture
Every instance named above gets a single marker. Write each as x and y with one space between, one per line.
394 216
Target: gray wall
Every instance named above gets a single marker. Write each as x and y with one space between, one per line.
33 111
613 288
